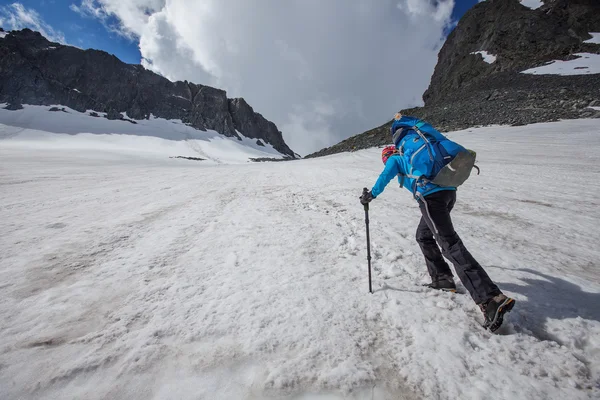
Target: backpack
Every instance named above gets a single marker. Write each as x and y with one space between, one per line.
433 158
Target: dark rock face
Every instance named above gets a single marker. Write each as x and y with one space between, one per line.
36 71
465 91
255 128
521 38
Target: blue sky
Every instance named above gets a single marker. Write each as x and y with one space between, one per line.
84 32
461 7
87 32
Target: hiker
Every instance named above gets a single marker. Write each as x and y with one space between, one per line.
418 153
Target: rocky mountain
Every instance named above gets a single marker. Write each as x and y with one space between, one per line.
36 71
479 77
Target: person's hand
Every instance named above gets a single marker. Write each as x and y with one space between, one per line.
366 197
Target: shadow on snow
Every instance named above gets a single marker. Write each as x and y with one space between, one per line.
549 297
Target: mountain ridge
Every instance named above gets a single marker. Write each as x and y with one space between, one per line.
34 70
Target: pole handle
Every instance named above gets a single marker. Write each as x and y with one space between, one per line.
366 205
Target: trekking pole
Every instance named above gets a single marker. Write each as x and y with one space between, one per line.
365 190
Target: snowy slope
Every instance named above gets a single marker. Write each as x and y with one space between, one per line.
124 276
584 64
38 126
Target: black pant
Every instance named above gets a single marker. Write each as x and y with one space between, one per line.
436 222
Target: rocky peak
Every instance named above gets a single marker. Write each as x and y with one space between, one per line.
519 38
34 70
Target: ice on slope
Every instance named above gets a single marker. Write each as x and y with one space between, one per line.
38 127
584 64
131 277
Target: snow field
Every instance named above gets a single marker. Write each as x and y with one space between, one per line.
36 126
584 64
128 276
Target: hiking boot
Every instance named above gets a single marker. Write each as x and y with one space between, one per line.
446 285
494 310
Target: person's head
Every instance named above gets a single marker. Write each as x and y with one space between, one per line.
387 152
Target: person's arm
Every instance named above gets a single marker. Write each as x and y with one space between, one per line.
393 167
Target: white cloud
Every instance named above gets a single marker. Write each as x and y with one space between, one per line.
132 15
88 8
439 11
321 70
16 16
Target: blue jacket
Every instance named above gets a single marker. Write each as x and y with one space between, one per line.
398 165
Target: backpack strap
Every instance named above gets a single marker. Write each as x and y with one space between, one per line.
422 135
403 141
420 197
420 181
401 148
400 134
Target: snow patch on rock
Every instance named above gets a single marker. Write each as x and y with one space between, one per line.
533 4
584 64
487 57
595 38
